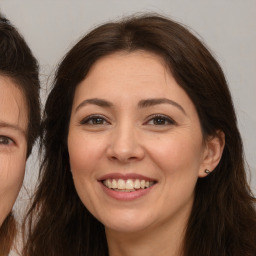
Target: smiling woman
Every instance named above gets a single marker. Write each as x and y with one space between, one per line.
148 136
142 151
19 122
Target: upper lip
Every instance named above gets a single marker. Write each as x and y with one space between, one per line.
126 176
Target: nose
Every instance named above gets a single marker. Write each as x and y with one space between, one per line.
125 145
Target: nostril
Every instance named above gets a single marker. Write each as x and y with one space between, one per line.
123 158
113 158
125 153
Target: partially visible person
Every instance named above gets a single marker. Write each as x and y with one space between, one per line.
142 153
19 122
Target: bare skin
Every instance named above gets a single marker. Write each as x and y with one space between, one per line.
13 144
135 124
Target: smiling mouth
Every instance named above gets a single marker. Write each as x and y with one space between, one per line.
129 185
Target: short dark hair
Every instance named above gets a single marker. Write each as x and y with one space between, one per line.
18 63
223 218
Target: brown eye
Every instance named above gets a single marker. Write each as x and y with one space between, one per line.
5 140
97 120
160 120
94 120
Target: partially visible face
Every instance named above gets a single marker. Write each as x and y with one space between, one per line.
135 144
13 144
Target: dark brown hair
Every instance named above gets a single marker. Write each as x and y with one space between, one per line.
18 64
223 218
7 235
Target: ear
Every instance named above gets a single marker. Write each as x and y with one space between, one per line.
214 146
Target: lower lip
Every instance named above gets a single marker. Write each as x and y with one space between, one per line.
126 196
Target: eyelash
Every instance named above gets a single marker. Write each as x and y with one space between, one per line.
4 139
167 120
101 120
92 118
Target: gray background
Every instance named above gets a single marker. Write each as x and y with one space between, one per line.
51 27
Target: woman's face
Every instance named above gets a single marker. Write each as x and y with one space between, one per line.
13 144
135 144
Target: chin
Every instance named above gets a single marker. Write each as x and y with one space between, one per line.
126 228
127 223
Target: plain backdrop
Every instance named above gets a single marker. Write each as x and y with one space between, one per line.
228 27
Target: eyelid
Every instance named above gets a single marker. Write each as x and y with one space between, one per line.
170 120
90 117
8 138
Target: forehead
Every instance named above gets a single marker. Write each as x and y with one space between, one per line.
140 65
13 109
139 70
130 74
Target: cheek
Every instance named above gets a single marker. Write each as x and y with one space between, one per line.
84 156
178 154
178 161
84 152
12 171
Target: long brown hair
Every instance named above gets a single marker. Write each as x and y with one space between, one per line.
18 63
7 235
223 218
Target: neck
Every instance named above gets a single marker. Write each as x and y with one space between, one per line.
165 239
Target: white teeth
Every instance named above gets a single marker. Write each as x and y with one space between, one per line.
114 184
121 184
108 183
127 185
137 184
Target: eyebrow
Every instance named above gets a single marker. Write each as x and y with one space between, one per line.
157 101
142 104
12 126
95 101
